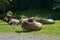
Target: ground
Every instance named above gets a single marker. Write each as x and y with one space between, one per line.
28 37
48 32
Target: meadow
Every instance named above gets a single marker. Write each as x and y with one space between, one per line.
47 29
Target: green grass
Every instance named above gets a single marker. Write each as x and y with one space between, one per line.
52 29
4 28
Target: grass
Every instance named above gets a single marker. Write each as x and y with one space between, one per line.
5 28
52 29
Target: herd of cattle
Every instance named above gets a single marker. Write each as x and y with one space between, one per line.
28 24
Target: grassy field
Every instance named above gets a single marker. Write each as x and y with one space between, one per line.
52 29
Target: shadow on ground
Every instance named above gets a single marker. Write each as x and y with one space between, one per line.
22 31
25 31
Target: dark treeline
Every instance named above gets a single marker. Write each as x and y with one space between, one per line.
26 4
18 5
45 4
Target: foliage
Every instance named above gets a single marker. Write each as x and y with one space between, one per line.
9 13
23 16
25 5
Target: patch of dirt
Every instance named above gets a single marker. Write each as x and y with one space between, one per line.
28 37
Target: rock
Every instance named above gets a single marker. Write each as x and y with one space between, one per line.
1 20
26 19
51 21
14 21
31 26
46 21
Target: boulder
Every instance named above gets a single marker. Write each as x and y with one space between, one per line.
46 21
1 20
13 21
31 26
26 19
